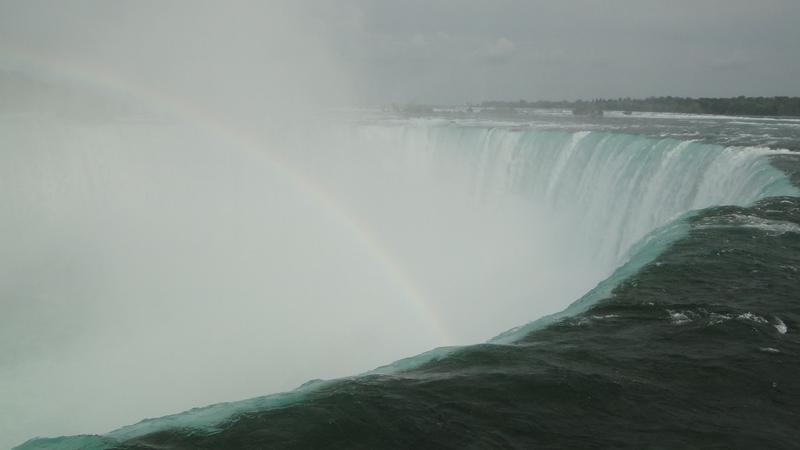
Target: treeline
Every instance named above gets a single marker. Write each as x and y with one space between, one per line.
749 106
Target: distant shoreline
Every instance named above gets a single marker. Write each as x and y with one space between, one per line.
730 106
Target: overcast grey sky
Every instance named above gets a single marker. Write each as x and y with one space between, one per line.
428 50
471 50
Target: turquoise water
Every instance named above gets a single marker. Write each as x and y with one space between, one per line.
695 317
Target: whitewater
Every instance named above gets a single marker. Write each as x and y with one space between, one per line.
151 254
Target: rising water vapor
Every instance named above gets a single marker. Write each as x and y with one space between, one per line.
153 249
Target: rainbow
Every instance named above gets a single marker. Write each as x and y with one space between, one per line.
100 80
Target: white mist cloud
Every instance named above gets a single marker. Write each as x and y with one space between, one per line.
244 58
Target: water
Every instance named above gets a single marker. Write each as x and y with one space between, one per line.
494 221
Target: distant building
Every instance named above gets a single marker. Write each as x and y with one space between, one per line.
588 109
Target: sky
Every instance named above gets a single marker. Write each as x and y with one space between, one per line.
425 51
471 50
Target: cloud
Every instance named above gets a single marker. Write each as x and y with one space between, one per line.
500 51
730 63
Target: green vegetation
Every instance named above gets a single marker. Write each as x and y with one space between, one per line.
749 106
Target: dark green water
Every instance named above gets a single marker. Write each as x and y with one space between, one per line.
698 349
686 353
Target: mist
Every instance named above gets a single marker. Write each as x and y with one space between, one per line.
186 220
152 267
